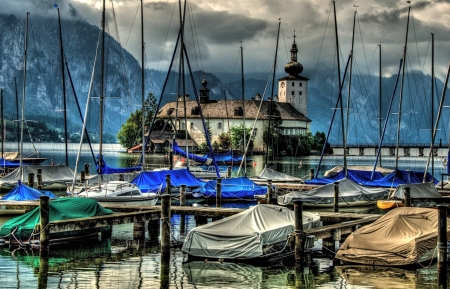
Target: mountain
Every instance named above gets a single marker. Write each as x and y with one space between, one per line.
44 97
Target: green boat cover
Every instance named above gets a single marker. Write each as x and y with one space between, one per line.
60 209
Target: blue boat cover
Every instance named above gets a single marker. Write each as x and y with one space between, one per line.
106 170
391 180
232 188
155 181
199 159
22 192
7 164
358 176
400 177
228 157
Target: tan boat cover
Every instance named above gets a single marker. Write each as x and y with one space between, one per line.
401 237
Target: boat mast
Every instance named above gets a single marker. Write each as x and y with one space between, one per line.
271 99
143 85
340 92
17 112
351 69
100 160
380 118
63 86
401 91
432 104
243 110
23 93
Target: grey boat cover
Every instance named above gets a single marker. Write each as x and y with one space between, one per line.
422 190
50 174
245 234
349 192
403 236
270 174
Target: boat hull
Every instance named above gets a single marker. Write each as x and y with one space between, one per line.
151 201
389 204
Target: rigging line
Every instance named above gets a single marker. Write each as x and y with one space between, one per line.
415 37
321 45
416 85
195 38
285 45
132 24
234 69
167 35
363 48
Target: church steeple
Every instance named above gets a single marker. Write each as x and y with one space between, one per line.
293 67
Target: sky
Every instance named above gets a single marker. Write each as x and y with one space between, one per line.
216 29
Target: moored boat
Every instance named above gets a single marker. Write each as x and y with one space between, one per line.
258 235
402 237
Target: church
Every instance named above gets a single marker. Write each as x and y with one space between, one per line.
222 115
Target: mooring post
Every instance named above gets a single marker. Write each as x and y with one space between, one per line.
44 238
153 228
171 160
269 191
39 179
442 234
82 176
139 232
31 180
298 219
228 172
407 193
182 195
165 224
336 197
219 193
86 168
311 174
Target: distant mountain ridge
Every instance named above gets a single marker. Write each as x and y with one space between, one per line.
123 86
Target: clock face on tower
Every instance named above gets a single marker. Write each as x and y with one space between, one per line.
282 85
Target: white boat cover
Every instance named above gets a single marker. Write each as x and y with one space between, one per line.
243 235
334 171
402 237
50 174
270 174
349 192
422 190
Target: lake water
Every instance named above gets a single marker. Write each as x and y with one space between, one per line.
120 263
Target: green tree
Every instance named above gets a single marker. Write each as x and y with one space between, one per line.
130 134
237 137
224 140
272 136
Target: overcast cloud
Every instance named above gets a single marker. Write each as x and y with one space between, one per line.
218 27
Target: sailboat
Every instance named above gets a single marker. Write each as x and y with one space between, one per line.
116 191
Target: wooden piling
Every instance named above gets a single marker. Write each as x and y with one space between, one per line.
39 181
82 176
31 180
228 172
311 174
298 219
86 168
200 221
219 193
165 224
139 232
153 228
167 190
269 191
336 197
407 193
182 195
442 234
171 160
44 237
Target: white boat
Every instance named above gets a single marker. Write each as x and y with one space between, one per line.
119 192
197 171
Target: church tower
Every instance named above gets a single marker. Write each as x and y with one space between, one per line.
293 88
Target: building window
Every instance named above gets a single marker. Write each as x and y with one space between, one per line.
182 125
192 125
195 110
169 112
238 111
292 92
299 93
300 84
293 83
254 132
219 125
